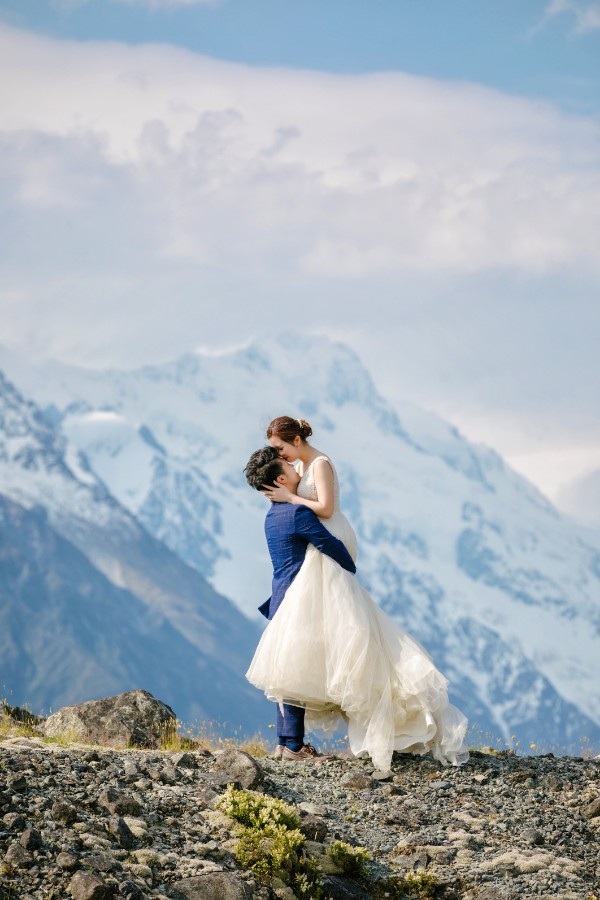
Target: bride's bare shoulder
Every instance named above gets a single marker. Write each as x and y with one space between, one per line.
322 463
322 460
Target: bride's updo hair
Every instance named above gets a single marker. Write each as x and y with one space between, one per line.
287 429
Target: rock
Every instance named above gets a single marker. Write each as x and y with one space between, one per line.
418 859
121 832
592 810
208 849
381 775
17 857
242 767
134 718
67 861
89 886
138 827
184 761
479 837
16 784
357 781
101 862
130 771
532 836
337 888
438 785
166 774
31 839
392 790
554 783
313 827
14 821
131 891
212 886
119 804
63 812
312 808
220 780
281 890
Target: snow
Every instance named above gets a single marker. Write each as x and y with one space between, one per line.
414 488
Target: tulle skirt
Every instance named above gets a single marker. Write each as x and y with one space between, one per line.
331 649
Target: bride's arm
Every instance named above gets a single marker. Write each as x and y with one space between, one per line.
324 505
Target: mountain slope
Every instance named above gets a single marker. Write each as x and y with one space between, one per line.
67 633
154 617
462 551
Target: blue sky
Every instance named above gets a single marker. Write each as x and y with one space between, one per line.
419 179
521 47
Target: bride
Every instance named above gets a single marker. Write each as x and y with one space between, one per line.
333 651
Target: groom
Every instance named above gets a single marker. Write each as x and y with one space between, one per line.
289 529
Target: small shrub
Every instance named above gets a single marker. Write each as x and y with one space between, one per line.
257 810
307 881
413 886
351 860
269 851
269 838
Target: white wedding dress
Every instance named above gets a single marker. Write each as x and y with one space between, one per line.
332 650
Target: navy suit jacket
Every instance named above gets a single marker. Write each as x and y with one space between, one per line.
289 529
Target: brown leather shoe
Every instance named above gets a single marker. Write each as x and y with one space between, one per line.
306 753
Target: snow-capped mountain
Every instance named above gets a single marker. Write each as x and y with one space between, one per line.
91 604
581 498
467 555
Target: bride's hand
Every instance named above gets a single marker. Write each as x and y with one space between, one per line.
278 494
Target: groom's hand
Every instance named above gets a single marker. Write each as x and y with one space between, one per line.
278 494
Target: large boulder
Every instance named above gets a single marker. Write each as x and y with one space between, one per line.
134 718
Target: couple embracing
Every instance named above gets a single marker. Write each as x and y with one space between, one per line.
329 651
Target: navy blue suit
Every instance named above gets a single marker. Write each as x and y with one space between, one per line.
289 529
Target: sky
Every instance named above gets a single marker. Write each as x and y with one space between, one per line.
418 180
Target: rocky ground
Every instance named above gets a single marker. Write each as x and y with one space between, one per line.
92 823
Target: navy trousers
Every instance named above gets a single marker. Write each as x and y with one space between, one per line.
290 724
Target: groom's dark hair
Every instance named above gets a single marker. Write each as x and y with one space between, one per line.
263 468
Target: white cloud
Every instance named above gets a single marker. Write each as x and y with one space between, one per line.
334 176
586 15
156 199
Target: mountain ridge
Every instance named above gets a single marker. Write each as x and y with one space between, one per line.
465 553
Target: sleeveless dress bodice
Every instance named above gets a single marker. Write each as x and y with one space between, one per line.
337 524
